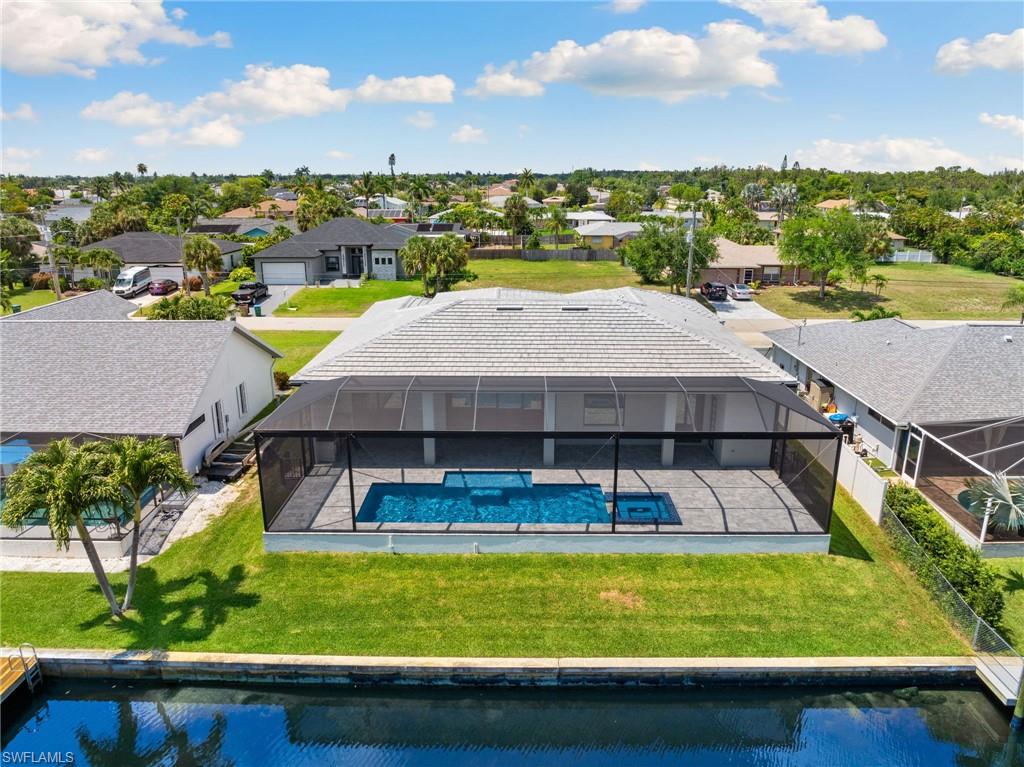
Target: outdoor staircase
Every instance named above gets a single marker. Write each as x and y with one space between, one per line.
23 667
233 460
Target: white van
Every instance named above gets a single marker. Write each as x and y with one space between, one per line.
132 281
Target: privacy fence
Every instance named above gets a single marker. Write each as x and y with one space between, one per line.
567 254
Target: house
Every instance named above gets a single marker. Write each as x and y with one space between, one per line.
436 229
498 201
747 263
162 253
503 188
768 219
834 204
512 420
938 406
899 242
246 227
99 376
577 218
608 234
393 215
599 196
686 216
380 201
275 208
554 200
281 193
713 195
337 249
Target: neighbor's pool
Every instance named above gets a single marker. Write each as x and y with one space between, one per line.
114 723
484 496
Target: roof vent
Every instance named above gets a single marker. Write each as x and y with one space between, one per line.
1008 339
575 308
509 308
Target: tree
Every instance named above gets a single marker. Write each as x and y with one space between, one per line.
202 255
16 237
623 205
416 259
141 169
876 313
365 186
133 466
1015 300
823 244
784 197
999 499
64 231
558 221
660 253
450 259
1001 252
67 482
753 194
268 176
879 243
517 216
391 165
317 206
181 307
879 281
526 180
577 193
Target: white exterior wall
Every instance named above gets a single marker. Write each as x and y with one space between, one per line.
241 361
739 412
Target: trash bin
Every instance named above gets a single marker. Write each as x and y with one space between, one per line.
258 311
243 309
15 308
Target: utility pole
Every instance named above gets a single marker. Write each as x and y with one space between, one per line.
181 253
54 272
689 258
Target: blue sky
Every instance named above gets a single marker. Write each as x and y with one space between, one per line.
238 87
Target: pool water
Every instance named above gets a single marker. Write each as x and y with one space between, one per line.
484 496
114 723
645 508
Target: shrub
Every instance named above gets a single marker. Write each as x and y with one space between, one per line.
197 307
961 565
534 242
281 380
90 283
242 274
195 283
755 284
41 281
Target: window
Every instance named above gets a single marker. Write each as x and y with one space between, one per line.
599 409
243 404
195 424
218 417
772 273
376 260
881 419
332 263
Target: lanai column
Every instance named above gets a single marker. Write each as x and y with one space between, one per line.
429 448
549 425
668 446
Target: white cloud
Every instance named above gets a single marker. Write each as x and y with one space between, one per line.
131 110
836 117
218 132
178 14
23 112
523 130
626 6
270 93
647 166
337 154
422 119
424 89
808 25
1003 122
75 38
994 51
15 159
92 154
504 82
884 154
467 134
155 137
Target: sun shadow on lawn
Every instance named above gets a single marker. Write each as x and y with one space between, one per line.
1013 581
840 299
845 543
179 611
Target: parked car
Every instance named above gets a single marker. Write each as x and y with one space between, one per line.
739 291
250 292
132 281
162 287
714 291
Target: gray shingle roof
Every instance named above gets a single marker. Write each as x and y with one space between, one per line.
97 305
909 374
153 247
502 332
336 233
241 225
107 377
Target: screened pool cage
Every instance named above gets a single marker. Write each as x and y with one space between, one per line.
546 454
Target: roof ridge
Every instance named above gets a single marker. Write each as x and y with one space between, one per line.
927 377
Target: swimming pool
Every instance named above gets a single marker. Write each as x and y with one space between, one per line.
485 496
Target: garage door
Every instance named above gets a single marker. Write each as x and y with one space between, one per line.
277 273
166 273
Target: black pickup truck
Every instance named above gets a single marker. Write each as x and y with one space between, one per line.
250 293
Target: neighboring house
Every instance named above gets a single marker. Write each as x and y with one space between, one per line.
103 374
339 248
634 419
503 189
247 227
939 406
555 200
436 229
746 263
281 193
686 216
577 218
380 201
498 201
713 195
834 204
395 215
608 234
599 196
162 253
768 219
899 242
265 209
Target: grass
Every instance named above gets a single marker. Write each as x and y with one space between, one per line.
297 346
30 299
917 291
219 591
346 302
1011 570
880 468
558 276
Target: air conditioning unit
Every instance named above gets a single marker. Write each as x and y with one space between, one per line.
819 394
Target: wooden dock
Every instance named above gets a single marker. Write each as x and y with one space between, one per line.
12 675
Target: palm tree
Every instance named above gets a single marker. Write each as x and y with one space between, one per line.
879 281
419 189
517 215
102 260
876 313
450 256
526 179
134 466
391 164
558 221
365 186
416 256
783 196
66 482
1015 300
999 499
141 169
202 255
752 194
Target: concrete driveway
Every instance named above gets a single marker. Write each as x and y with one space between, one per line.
278 294
743 310
145 299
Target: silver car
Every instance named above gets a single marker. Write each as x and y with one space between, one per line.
739 291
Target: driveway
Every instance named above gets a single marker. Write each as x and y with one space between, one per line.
743 310
145 299
278 294
749 320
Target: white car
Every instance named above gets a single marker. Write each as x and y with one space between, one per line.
739 291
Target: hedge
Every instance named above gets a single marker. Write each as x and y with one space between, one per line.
961 564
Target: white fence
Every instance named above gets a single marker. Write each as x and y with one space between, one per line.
862 482
909 257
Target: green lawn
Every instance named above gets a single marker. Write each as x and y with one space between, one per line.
30 299
558 276
219 591
1011 570
346 302
917 291
297 346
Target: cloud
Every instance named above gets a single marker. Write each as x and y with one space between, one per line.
424 89
467 134
523 130
1003 122
504 82
808 25
422 119
131 110
647 166
626 6
17 159
91 154
218 132
76 38
994 51
23 112
155 137
887 154
337 154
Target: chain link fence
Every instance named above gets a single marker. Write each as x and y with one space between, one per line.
995 653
